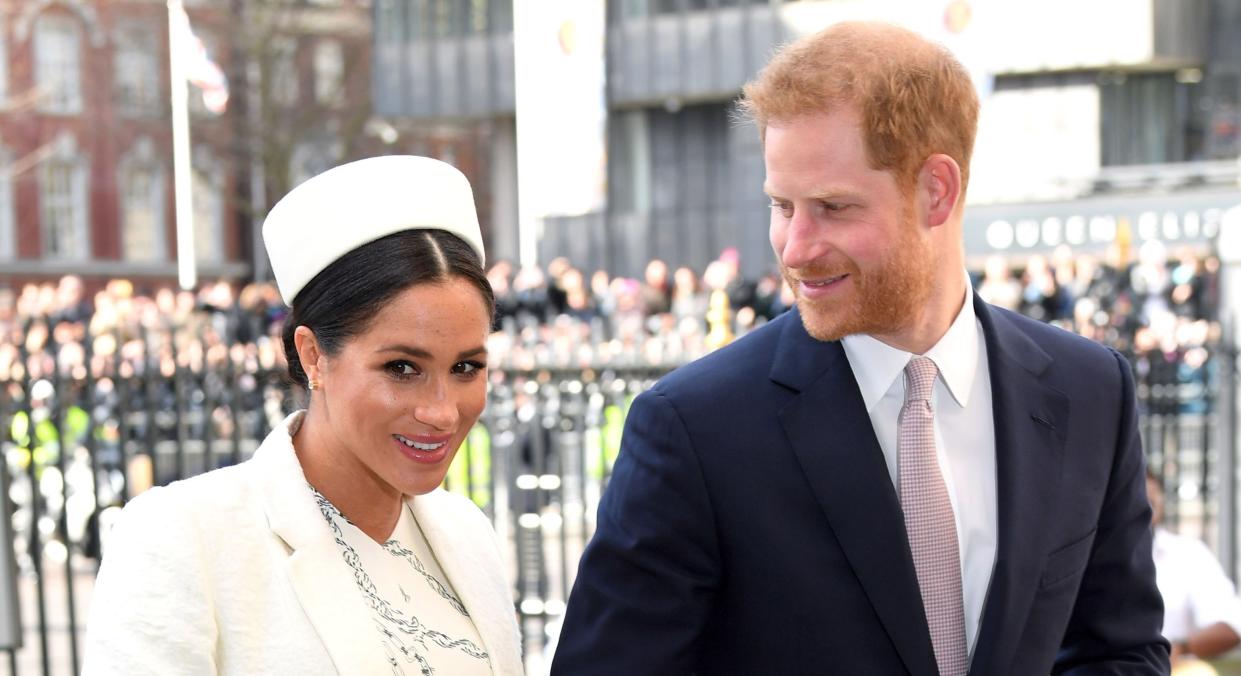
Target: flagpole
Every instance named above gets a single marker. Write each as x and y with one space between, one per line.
182 177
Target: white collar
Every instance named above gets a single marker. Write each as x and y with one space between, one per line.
876 365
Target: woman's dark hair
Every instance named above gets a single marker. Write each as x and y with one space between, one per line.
344 297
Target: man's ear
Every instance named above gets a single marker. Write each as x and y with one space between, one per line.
308 352
939 188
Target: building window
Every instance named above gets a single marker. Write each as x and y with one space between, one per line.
137 70
447 19
500 17
208 207
1147 118
142 204
8 233
283 71
312 158
430 19
329 73
58 64
4 67
390 23
62 195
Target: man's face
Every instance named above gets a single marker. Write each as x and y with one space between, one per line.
844 233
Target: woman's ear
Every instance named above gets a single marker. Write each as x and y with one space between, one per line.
309 353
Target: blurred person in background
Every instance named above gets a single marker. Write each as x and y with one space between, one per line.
628 321
1039 293
71 303
557 295
739 289
578 301
767 297
1087 273
8 308
217 302
1065 273
1088 320
1202 614
601 293
253 314
688 300
656 290
1150 280
897 477
998 286
333 550
500 276
1189 288
531 292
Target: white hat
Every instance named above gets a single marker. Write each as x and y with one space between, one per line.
353 204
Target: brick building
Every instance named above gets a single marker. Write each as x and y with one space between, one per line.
86 166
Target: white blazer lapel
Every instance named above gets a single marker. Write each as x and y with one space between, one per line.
465 546
317 570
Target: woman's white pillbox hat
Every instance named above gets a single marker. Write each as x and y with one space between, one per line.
360 202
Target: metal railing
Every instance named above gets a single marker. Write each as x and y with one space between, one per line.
81 435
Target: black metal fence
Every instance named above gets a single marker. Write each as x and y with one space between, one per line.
82 433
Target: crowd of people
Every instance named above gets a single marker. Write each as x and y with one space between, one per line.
1163 302
1159 310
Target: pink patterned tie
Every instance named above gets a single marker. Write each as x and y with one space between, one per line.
929 521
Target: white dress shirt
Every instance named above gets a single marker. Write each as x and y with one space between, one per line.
1196 592
964 437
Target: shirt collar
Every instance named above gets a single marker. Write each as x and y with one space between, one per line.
876 365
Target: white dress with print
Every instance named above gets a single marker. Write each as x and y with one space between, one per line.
420 624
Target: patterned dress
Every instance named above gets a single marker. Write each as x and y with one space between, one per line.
420 624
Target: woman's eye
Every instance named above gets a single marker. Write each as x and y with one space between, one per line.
468 368
401 368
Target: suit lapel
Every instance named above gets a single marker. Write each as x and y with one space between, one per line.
1031 420
317 571
831 435
475 576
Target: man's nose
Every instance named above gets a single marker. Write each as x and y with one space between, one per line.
804 242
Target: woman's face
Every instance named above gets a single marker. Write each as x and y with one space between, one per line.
398 399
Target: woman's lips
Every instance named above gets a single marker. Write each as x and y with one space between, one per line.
423 448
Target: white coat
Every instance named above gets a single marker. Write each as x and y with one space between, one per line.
237 572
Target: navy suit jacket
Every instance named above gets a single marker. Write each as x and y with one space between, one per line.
751 527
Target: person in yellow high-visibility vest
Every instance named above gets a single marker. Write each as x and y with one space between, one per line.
603 442
470 472
48 441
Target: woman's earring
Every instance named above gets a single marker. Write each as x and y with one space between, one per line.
313 385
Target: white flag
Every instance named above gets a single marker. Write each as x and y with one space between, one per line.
200 70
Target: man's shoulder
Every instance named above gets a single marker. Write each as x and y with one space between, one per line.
743 362
1057 342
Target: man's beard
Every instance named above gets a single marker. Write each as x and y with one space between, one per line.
882 301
